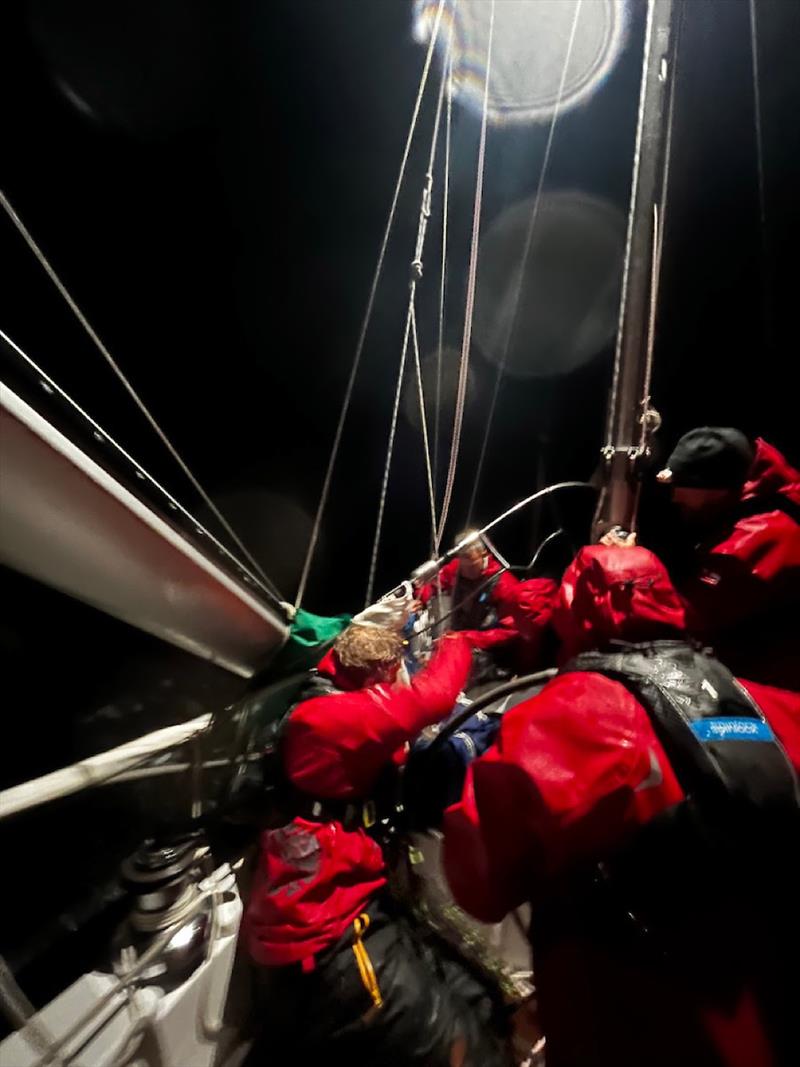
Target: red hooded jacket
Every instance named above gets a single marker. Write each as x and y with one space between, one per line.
314 878
574 772
744 594
501 595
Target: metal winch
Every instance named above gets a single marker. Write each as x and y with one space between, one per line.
164 879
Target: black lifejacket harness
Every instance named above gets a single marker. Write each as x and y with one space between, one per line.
377 814
696 884
716 738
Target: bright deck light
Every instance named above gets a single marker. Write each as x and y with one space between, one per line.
530 45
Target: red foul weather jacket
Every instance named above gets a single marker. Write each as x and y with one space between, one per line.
314 878
500 595
524 609
744 594
532 609
574 773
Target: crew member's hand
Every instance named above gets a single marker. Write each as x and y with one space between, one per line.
483 639
618 538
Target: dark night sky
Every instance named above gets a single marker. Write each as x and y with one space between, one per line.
215 204
216 207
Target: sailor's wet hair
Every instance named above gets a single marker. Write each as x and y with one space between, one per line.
365 647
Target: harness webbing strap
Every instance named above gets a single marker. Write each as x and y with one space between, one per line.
364 963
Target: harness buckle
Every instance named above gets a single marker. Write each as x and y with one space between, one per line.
369 815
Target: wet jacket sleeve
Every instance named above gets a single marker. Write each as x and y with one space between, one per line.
431 694
492 638
755 568
532 613
504 594
338 745
572 771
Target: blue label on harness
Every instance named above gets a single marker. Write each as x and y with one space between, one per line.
718 729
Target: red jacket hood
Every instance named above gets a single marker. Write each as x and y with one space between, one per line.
771 473
610 593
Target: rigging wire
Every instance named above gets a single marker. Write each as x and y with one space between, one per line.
521 504
504 566
468 599
373 564
104 352
411 330
525 254
458 416
52 386
326 484
443 281
623 303
762 200
416 268
659 225
425 442
496 552
543 545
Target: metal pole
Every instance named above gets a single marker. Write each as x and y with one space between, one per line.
630 421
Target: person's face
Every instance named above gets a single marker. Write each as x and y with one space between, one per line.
703 507
471 561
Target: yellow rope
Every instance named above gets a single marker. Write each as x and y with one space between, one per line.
365 968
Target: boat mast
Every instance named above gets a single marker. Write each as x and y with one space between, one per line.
631 421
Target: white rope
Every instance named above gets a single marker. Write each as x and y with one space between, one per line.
52 386
337 439
463 372
104 352
525 254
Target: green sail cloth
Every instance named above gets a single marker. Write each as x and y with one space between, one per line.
309 637
311 630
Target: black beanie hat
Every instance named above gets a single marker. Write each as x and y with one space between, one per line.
710 457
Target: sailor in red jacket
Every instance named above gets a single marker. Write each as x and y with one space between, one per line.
477 589
740 503
579 810
513 616
352 978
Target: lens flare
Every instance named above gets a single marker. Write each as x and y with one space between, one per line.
447 382
274 527
569 297
529 48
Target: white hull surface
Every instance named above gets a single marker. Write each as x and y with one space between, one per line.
144 1027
